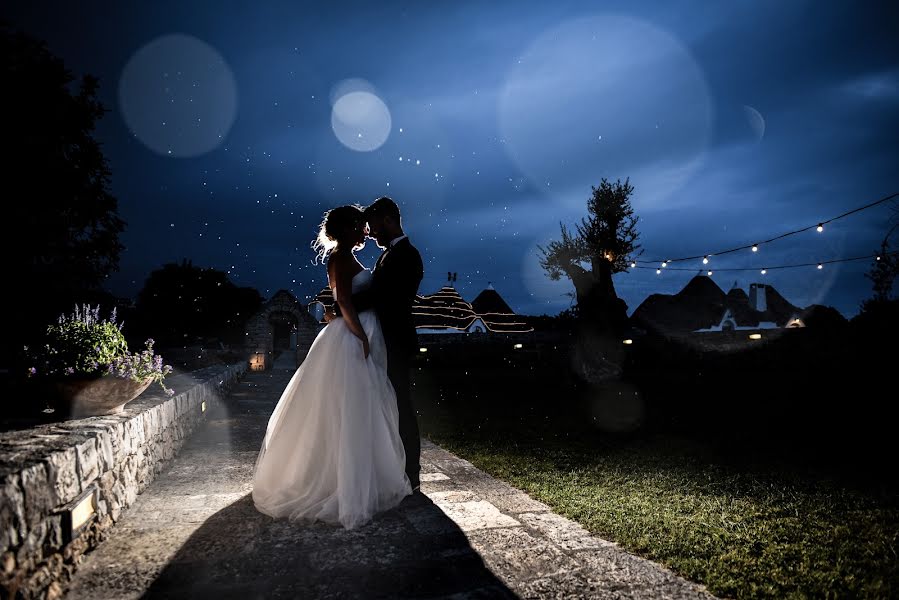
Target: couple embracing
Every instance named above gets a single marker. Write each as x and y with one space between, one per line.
342 443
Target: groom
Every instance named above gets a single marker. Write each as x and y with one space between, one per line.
395 281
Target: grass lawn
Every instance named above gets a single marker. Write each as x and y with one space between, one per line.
753 499
743 534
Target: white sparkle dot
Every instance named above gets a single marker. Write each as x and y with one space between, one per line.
417 162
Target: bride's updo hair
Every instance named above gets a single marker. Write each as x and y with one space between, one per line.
339 228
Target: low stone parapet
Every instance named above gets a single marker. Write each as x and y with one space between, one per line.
63 485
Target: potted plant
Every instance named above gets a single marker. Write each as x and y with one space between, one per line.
87 365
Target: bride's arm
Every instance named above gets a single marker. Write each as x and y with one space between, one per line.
341 281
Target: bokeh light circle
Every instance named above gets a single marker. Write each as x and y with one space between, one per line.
361 121
178 96
605 96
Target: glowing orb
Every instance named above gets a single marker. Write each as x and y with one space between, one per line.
361 121
623 80
178 96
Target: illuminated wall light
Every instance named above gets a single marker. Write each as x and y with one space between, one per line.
422 349
755 248
755 336
203 406
820 227
78 514
517 346
628 342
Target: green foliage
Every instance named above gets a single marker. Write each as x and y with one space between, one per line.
80 343
84 345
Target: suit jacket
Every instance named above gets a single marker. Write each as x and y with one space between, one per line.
395 281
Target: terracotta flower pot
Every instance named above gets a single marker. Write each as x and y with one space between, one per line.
98 396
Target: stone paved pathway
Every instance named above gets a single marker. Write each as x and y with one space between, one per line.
194 533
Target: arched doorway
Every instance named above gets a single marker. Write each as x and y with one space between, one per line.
284 330
282 327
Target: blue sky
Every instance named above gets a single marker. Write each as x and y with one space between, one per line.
488 123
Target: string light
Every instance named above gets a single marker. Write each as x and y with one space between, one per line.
710 273
819 226
664 264
705 259
764 271
820 266
793 266
658 271
633 265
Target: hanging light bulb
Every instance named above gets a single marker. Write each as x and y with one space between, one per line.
664 264
764 271
710 273
755 247
820 227
658 271
705 259
820 266
633 265
878 258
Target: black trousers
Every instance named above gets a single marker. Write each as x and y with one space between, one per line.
398 365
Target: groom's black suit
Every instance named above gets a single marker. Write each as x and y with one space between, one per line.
395 281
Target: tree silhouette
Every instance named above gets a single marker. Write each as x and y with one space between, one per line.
600 246
56 182
183 304
883 275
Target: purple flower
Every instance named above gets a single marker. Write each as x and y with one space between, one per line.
32 371
69 370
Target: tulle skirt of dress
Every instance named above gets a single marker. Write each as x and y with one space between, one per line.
332 450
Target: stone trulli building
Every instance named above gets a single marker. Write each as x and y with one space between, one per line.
702 307
445 312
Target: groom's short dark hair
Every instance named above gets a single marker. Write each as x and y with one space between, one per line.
383 207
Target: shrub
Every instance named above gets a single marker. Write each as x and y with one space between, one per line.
84 345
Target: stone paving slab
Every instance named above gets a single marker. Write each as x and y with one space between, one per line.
194 533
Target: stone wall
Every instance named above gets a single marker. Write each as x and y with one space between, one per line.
99 462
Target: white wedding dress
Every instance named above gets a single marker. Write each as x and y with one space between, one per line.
332 450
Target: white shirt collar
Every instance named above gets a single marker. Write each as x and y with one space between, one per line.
395 241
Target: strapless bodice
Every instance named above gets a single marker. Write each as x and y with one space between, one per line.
361 280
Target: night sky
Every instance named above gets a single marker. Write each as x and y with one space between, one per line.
231 130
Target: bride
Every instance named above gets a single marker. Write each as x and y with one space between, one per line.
332 450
